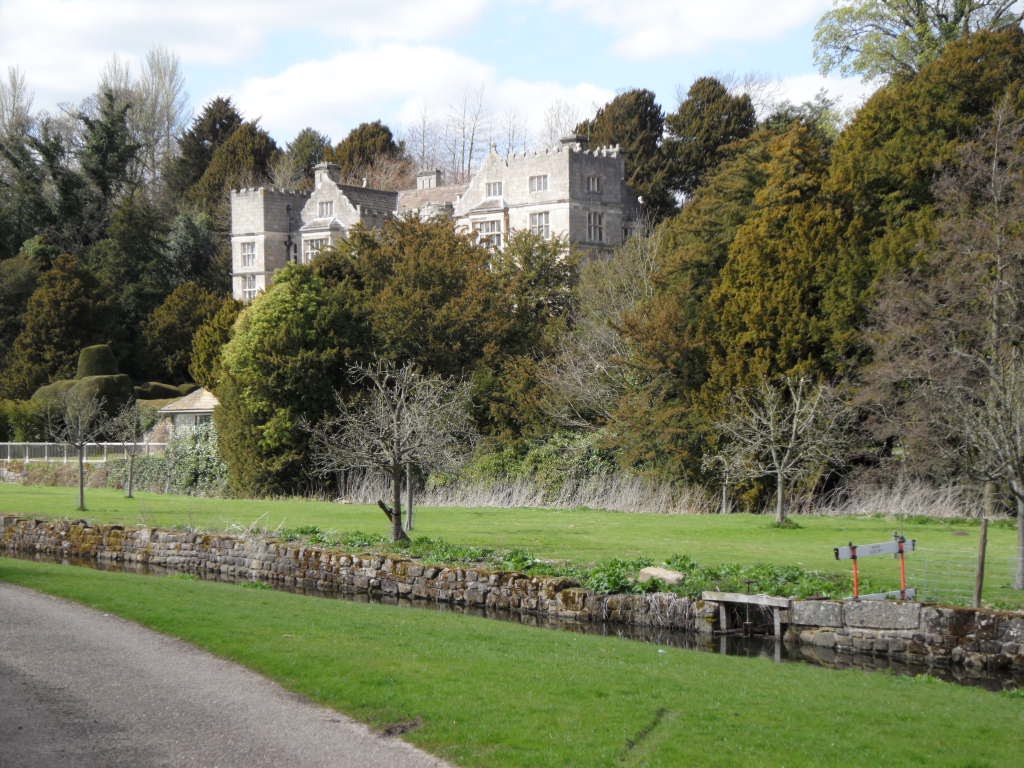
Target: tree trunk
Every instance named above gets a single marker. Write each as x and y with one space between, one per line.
397 532
780 508
131 466
81 478
1018 579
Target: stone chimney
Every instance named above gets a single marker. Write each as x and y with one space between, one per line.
324 171
429 179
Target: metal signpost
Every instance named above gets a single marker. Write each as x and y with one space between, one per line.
898 547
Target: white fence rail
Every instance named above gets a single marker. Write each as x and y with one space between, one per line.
63 452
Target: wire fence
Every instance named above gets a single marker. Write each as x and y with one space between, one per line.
943 568
948 576
65 452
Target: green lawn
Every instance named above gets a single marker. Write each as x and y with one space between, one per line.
496 694
943 568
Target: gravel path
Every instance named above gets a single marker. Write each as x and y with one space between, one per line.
82 688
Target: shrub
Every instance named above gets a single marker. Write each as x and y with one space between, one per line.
556 465
113 389
97 360
154 390
22 421
191 465
49 392
194 464
617 575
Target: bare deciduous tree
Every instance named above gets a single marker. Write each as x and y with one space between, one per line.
560 120
76 418
423 142
588 374
514 136
405 419
162 110
950 340
158 106
466 132
15 104
128 426
785 430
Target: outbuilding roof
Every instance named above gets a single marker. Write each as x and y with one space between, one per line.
200 401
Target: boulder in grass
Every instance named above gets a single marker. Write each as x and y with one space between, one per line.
666 575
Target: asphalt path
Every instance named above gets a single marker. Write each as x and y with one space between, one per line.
83 688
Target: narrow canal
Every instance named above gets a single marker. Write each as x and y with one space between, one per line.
731 644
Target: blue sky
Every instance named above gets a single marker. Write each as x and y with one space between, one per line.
335 63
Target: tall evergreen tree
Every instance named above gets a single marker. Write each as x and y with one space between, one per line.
211 128
59 321
707 121
243 160
634 121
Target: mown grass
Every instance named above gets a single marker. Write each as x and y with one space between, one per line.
497 694
947 549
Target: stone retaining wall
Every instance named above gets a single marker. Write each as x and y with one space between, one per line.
331 570
914 633
908 632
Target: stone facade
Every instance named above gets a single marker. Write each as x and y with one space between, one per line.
271 228
567 191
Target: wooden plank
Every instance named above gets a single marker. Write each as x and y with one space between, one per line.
768 601
868 550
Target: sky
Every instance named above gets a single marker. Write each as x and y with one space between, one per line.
333 64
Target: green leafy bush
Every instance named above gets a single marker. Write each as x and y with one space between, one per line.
191 465
561 460
761 578
194 463
617 575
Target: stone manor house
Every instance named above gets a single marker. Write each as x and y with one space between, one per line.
568 190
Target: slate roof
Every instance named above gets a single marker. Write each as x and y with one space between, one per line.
374 199
200 401
415 199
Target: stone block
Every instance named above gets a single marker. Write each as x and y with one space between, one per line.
880 614
822 639
863 644
666 575
572 600
816 613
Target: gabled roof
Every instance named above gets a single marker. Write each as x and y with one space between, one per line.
200 401
415 199
375 199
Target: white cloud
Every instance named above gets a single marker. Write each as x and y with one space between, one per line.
334 94
62 45
650 28
850 91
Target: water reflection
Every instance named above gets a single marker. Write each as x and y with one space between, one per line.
731 645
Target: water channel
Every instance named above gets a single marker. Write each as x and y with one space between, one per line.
731 644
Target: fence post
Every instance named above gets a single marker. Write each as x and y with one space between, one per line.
979 576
